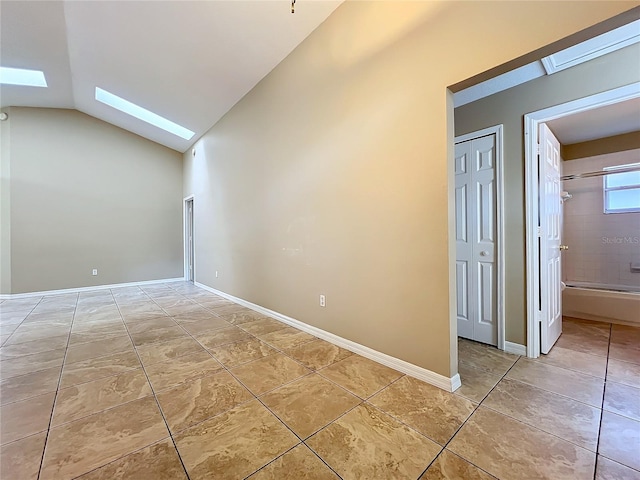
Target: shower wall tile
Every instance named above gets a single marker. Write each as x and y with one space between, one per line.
602 246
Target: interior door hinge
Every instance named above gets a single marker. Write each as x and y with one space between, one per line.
539 231
539 316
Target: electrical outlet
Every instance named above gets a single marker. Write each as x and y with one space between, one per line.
323 303
94 272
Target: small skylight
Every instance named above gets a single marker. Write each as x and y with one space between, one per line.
20 76
142 114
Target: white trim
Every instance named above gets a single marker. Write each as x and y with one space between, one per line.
531 124
498 131
88 289
515 348
440 381
184 238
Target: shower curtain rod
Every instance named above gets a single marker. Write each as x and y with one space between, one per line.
600 173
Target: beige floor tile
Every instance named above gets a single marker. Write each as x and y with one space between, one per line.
31 363
287 338
233 444
309 403
216 303
449 466
476 383
428 409
8 329
592 345
25 418
237 318
236 354
367 443
622 399
200 326
263 326
225 307
318 354
96 368
609 470
564 417
197 316
625 343
181 369
85 351
22 334
3 338
88 398
620 439
97 334
299 463
78 447
581 387
222 336
20 460
165 351
509 449
622 372
184 308
269 372
30 385
572 360
192 402
159 461
142 326
360 375
157 335
485 357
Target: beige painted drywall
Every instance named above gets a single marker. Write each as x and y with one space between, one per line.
508 108
5 211
333 175
86 194
601 146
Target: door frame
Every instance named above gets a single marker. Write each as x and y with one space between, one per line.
498 131
531 125
185 234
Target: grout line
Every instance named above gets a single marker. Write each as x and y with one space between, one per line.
55 397
153 392
604 392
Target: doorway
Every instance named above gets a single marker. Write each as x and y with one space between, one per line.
479 236
541 294
189 264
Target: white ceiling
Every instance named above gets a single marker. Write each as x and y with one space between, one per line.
188 61
607 121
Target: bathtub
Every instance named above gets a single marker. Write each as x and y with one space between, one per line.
607 303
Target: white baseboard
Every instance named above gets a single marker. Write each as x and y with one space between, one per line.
440 381
515 348
88 289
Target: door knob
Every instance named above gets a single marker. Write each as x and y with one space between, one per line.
484 253
564 247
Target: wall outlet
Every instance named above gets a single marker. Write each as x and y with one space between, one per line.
94 272
323 303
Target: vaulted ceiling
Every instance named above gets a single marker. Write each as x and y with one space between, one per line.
188 61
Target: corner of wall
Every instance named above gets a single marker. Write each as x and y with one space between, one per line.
5 204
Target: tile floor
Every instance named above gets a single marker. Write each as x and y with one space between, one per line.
172 382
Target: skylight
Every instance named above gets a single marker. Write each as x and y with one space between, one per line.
142 114
20 76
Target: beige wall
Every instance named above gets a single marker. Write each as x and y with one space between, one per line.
508 108
5 211
333 175
84 195
601 146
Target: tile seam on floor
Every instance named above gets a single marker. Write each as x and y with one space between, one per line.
30 312
184 468
604 388
465 422
55 397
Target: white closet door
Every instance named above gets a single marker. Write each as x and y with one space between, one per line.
476 277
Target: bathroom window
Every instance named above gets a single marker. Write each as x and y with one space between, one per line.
622 190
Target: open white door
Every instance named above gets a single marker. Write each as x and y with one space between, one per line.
550 236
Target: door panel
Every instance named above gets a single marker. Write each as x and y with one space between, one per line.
475 235
551 226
